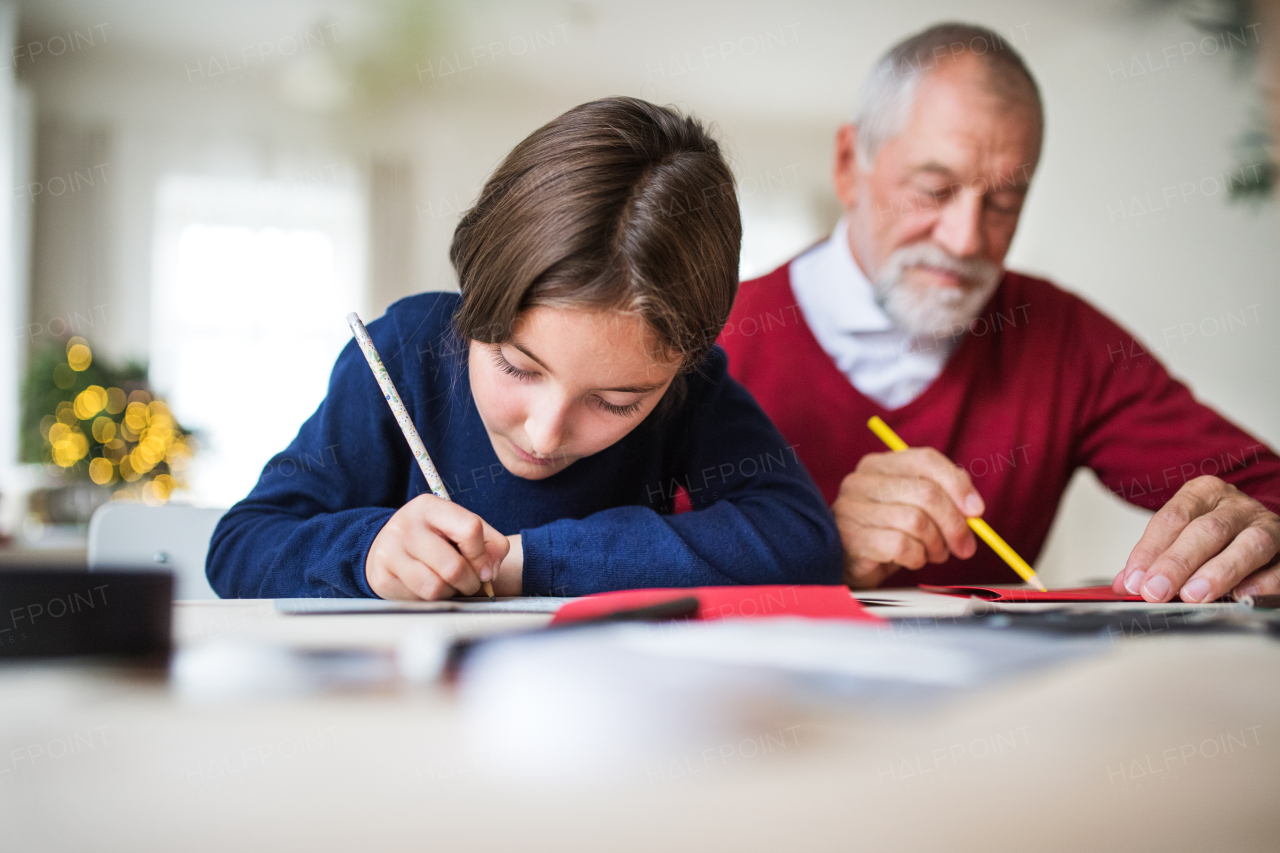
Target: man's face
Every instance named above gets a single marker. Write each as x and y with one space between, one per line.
931 219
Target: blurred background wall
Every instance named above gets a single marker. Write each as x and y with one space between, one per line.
207 187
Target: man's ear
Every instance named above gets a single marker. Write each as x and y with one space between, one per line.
844 173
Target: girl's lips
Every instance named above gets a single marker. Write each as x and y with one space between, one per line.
532 460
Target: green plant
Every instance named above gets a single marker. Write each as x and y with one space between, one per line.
98 422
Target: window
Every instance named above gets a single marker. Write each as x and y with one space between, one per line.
252 283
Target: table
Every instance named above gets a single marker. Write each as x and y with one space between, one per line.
1166 743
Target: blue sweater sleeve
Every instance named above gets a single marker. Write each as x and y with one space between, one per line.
765 521
307 525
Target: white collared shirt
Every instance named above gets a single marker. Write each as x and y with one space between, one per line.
839 304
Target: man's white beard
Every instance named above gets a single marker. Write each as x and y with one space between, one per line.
924 310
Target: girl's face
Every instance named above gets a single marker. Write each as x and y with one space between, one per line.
568 383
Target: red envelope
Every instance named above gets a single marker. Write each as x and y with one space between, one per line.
724 602
992 593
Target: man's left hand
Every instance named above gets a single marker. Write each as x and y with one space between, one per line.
1208 540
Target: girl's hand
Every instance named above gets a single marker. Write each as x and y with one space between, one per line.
431 549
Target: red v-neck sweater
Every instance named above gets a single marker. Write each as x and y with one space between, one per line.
1042 384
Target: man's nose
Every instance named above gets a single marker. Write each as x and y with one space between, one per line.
959 228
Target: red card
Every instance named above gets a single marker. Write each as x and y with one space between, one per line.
728 602
993 593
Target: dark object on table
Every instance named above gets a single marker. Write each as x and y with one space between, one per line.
678 609
72 612
1114 623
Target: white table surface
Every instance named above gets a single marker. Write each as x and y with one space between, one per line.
1077 757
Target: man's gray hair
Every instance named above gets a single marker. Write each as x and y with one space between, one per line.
889 92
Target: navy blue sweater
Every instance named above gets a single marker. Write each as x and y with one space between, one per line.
606 522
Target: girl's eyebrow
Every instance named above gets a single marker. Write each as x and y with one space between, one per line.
625 389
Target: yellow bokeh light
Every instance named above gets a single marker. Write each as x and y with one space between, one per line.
79 357
127 473
178 456
150 453
139 462
104 429
101 471
135 417
115 401
65 413
163 486
140 396
89 402
69 448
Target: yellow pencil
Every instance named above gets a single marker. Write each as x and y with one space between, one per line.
980 527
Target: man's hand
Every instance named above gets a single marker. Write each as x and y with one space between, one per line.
903 510
1208 540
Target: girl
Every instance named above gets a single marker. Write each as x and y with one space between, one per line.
566 395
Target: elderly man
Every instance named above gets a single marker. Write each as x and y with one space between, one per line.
1005 383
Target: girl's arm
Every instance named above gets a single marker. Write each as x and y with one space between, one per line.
758 518
307 525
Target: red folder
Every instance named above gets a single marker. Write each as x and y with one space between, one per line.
995 593
727 602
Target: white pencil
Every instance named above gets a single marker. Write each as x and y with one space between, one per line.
416 446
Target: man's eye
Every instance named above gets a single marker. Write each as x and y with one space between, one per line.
1005 203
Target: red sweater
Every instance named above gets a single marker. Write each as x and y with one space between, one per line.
1042 384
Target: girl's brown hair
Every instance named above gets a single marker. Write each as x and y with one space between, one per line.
617 204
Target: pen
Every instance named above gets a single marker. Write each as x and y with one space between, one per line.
980 527
402 415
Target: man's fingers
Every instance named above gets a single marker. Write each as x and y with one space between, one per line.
907 519
1262 582
1252 548
1164 528
927 463
944 519
884 545
1199 541
861 573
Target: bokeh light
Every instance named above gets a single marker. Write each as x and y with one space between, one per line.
115 401
101 471
79 356
127 441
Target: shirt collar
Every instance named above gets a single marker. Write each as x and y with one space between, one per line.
847 296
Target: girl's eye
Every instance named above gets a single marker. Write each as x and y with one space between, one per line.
509 368
621 411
